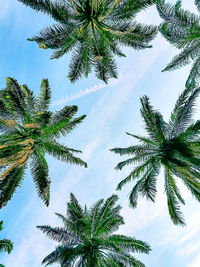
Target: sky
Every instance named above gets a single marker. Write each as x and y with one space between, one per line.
111 110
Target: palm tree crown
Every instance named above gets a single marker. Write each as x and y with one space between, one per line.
182 29
28 131
87 237
174 145
5 244
93 29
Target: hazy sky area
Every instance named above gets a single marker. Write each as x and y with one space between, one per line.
111 110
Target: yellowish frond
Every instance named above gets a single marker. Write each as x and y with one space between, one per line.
32 125
42 45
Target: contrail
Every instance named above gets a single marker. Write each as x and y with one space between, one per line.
78 94
81 93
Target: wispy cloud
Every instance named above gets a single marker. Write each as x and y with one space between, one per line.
78 94
81 93
5 9
195 262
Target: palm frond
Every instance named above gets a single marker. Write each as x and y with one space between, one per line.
165 10
109 217
197 3
80 61
154 122
45 96
30 100
62 122
39 170
9 184
139 170
172 201
60 235
194 77
57 10
128 9
6 245
61 152
54 256
182 114
184 57
129 243
144 140
75 212
15 97
148 187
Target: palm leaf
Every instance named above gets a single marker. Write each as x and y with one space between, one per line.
39 170
9 184
61 152
6 245
173 205
58 11
45 96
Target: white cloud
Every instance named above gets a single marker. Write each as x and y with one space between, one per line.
78 94
195 262
5 9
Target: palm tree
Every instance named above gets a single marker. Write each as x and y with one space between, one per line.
94 30
87 237
5 244
175 146
28 131
182 29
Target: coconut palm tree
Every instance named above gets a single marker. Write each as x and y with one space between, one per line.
182 29
87 237
5 244
94 30
175 146
29 131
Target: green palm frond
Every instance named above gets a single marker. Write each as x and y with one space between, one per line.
9 185
56 10
182 114
45 96
62 122
61 152
94 31
184 58
174 145
172 200
153 120
39 170
194 77
126 9
15 97
181 28
59 234
197 3
28 131
87 237
5 244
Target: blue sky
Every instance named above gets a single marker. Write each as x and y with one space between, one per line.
111 110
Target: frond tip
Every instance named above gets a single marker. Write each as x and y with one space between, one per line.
5 244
